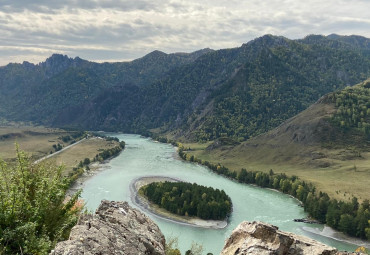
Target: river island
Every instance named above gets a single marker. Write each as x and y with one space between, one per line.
143 202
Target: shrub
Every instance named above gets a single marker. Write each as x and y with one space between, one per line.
33 212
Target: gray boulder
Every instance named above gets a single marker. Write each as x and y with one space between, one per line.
116 228
264 239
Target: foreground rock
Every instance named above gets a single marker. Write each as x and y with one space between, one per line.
264 239
116 228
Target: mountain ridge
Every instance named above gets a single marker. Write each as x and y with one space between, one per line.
173 91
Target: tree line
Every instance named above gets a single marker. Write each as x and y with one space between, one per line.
188 199
350 217
75 136
108 153
107 138
105 154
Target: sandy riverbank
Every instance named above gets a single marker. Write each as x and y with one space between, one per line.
144 204
95 168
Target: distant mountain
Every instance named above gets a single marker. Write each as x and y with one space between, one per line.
279 82
239 93
354 41
41 92
338 41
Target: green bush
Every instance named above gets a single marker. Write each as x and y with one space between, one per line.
34 213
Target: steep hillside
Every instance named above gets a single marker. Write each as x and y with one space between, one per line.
327 144
279 83
239 93
352 116
338 120
41 92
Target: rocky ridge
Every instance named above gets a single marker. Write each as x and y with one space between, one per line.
116 228
265 239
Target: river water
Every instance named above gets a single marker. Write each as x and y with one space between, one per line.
144 157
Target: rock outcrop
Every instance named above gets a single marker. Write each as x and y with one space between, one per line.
263 239
116 228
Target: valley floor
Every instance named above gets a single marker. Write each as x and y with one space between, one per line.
38 141
340 177
88 148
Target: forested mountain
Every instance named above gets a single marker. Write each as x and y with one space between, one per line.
40 92
280 82
339 119
239 92
352 115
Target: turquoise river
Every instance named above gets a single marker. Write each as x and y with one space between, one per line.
144 157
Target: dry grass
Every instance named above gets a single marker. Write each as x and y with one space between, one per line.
36 141
86 149
343 179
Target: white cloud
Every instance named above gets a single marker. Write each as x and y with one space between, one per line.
110 29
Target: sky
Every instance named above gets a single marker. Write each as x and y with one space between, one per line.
122 30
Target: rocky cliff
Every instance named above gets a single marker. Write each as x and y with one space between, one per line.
116 228
263 239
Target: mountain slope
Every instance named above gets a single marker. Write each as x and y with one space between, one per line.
319 126
40 92
314 145
279 83
239 92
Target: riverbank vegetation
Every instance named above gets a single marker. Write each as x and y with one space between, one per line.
34 212
104 154
350 217
108 153
188 199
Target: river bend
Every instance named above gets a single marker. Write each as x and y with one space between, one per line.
144 157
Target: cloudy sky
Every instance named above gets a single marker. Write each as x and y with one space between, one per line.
119 30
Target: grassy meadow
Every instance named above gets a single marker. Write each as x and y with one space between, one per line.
333 171
86 149
38 141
